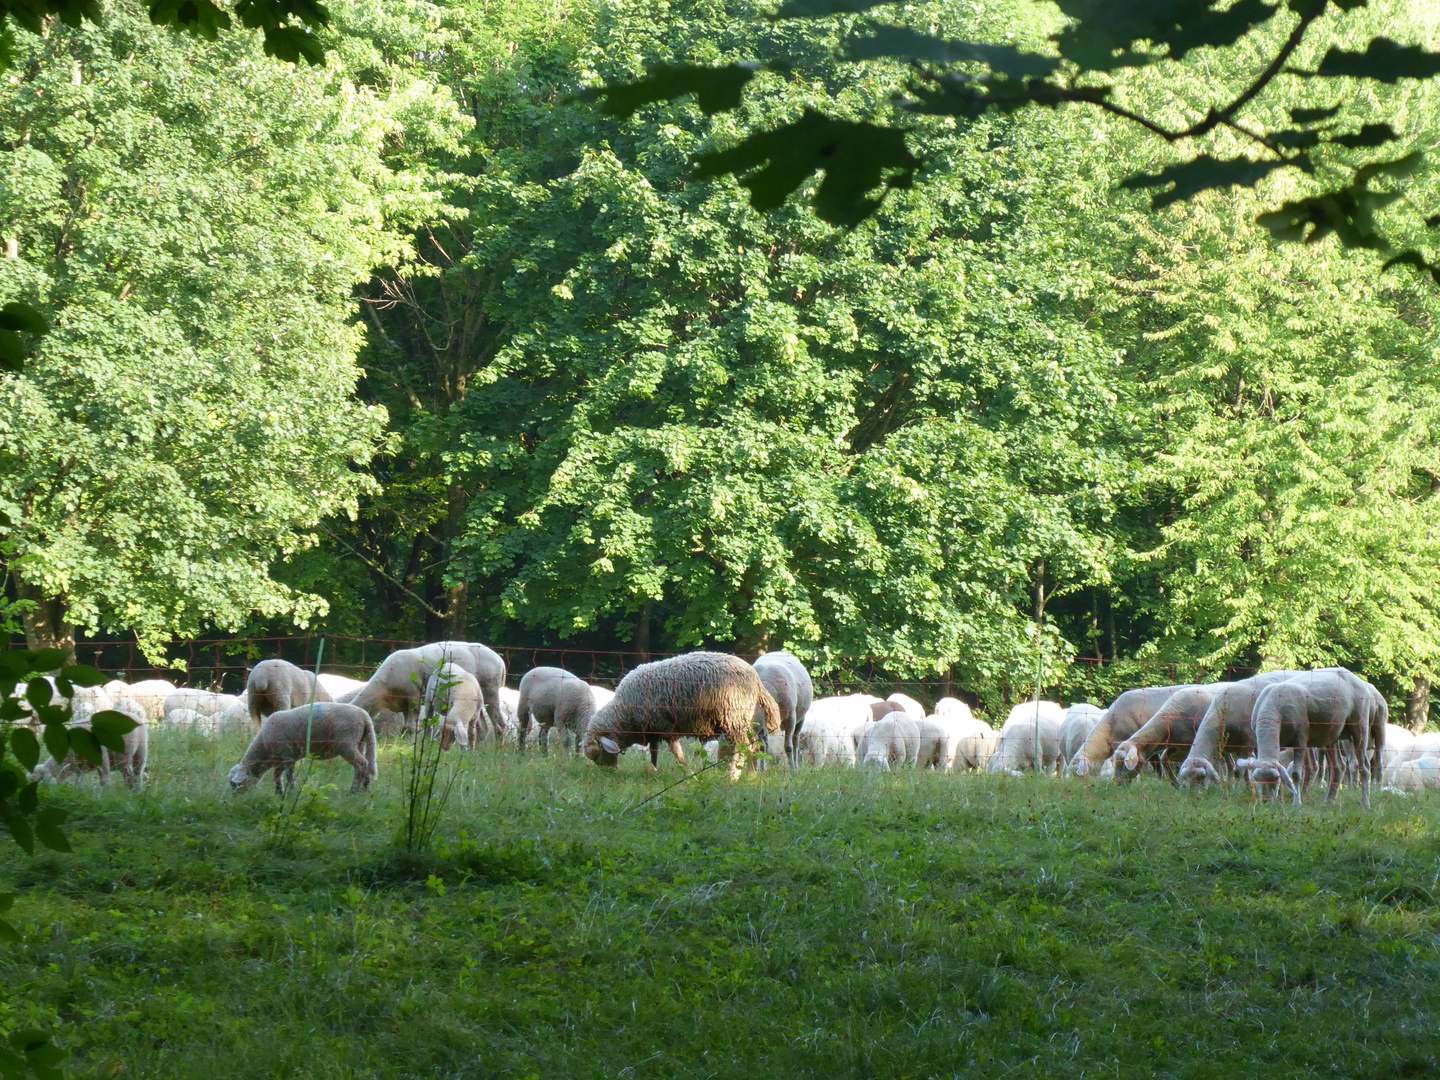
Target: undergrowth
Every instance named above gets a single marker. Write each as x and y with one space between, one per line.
820 923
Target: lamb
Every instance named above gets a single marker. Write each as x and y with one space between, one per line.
893 740
699 694
912 708
187 717
1125 716
1173 726
205 702
557 701
1031 725
1317 709
329 729
94 696
278 686
976 743
151 693
481 661
453 694
827 732
131 761
786 680
1080 720
1415 774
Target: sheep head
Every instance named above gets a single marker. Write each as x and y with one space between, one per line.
241 779
1198 771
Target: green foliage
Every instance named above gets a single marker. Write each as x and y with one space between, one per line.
192 219
1096 53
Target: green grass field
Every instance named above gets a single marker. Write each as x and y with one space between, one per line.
820 923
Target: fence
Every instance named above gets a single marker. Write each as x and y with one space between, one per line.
224 664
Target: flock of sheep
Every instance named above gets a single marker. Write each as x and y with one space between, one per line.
1280 731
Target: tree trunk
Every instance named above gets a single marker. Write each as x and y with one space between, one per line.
46 626
457 594
1417 706
642 634
1110 610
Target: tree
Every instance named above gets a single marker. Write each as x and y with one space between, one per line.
1100 54
192 219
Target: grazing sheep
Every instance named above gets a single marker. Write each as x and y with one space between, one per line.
186 717
913 709
1398 741
939 742
893 740
785 678
1415 774
94 696
881 709
485 664
1173 726
329 729
337 686
151 693
1080 720
1030 725
949 706
205 702
699 694
976 744
453 694
1225 729
557 701
131 762
278 686
1125 716
1319 709
827 731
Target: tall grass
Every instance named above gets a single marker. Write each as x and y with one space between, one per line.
819 923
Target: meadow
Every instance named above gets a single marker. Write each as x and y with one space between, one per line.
815 923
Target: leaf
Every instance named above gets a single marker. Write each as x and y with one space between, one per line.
856 158
1311 116
905 44
7 901
717 89
1415 259
1200 174
22 318
25 747
47 828
1216 29
819 9
21 832
84 675
85 745
293 44
12 351
47 659
1383 60
110 728
8 933
57 741
39 693
1103 32
1294 140
202 18
29 800
1369 135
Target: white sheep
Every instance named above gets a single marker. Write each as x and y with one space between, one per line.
151 693
206 702
337 686
949 706
131 761
453 694
1080 720
1031 726
1398 741
828 730
891 740
1415 774
913 709
327 728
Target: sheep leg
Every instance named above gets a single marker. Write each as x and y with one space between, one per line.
359 762
675 748
1332 760
279 776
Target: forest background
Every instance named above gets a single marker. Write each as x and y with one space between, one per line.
419 344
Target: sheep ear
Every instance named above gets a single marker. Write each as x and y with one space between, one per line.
1132 758
609 745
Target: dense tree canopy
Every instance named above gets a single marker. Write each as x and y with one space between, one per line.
603 402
